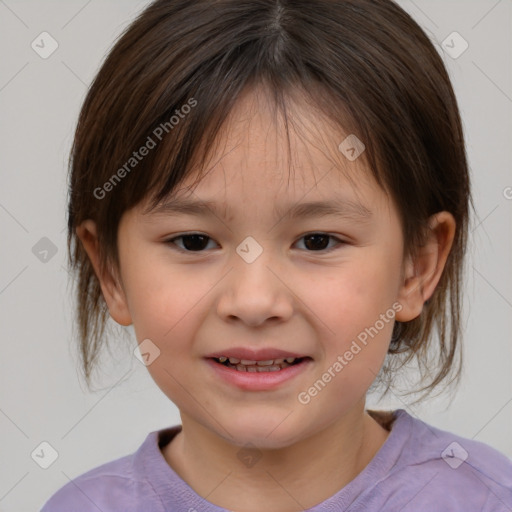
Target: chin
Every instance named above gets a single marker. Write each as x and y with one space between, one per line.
264 432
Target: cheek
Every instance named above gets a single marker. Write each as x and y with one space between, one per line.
162 299
165 310
357 314
355 298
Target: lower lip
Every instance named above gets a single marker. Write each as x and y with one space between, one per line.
258 381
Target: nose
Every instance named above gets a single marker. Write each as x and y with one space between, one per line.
256 292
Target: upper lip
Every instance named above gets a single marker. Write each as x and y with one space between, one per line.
262 354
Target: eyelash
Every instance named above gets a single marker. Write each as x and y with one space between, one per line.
322 251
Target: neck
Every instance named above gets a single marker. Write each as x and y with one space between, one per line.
286 479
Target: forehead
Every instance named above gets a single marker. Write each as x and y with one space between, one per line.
251 165
260 138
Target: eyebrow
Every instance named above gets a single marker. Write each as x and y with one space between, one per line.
334 208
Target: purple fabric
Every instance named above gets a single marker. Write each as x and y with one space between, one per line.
418 469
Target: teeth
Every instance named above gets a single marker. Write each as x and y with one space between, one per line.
260 369
249 362
265 363
234 360
249 365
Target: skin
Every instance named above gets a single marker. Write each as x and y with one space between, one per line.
291 297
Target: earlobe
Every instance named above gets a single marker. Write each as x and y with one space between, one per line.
422 274
111 288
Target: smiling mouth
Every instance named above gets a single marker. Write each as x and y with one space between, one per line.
271 365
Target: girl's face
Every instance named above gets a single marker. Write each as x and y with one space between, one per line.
257 279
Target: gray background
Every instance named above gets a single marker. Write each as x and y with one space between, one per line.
42 397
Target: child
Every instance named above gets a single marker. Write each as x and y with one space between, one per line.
266 339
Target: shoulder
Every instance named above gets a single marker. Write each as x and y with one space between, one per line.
115 486
442 469
102 488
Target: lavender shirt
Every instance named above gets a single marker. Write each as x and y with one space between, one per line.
418 469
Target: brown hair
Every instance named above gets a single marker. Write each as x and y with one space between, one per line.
365 64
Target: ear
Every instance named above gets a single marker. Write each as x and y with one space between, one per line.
111 287
422 274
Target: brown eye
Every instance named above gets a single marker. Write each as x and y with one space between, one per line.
316 242
191 243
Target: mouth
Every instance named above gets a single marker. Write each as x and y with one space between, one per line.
247 365
258 375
